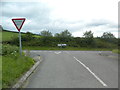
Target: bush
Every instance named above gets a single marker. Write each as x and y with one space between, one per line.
8 49
14 41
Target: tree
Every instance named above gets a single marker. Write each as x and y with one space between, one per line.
88 34
89 40
46 33
64 36
64 33
57 35
107 35
27 37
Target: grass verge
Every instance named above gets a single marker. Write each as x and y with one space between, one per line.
13 67
67 48
116 51
0 72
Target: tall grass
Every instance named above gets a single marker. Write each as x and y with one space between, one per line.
13 67
8 49
0 66
116 51
0 72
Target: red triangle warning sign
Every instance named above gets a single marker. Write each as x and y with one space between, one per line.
18 22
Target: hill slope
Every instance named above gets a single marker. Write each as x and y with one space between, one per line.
8 35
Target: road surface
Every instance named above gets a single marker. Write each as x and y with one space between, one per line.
74 69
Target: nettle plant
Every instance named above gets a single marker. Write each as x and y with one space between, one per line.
8 49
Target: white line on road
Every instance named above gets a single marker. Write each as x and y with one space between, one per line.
91 72
57 52
39 51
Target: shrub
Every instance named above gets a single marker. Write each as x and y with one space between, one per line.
8 49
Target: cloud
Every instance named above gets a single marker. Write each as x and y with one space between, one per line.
37 14
57 16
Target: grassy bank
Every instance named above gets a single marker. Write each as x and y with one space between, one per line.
13 67
0 65
67 48
9 35
116 51
0 72
6 36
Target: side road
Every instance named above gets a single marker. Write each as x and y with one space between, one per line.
36 56
74 69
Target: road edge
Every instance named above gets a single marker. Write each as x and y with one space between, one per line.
26 75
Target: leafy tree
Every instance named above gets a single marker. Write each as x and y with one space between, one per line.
107 35
27 37
89 40
88 34
46 33
65 33
63 37
57 35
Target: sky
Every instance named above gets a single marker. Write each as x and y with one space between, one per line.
77 16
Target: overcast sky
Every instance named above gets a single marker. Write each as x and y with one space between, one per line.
77 16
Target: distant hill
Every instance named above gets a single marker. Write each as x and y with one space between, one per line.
7 35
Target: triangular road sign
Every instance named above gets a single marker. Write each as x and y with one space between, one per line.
18 22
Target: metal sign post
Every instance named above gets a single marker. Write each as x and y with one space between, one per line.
20 43
18 22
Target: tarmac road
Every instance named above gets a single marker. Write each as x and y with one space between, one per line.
74 69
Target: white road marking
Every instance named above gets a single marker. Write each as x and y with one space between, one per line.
91 72
57 52
39 51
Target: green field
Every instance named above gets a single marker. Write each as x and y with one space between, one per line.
6 36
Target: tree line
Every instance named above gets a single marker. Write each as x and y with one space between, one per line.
46 39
